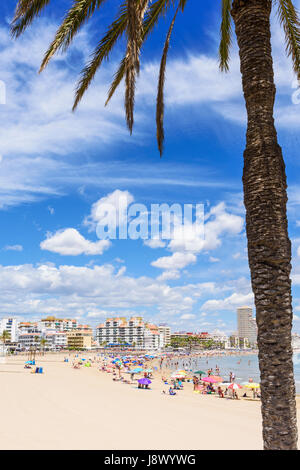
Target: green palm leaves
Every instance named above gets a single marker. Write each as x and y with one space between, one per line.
226 33
289 19
26 12
102 51
160 93
135 20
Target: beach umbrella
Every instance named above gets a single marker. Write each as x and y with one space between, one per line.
251 385
149 370
199 372
137 370
144 381
234 386
209 380
217 378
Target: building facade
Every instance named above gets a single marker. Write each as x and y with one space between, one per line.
246 325
11 326
79 339
134 332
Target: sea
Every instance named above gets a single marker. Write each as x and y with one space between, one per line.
243 366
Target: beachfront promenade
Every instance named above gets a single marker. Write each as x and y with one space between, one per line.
67 408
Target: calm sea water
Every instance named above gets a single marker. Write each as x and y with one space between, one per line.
244 367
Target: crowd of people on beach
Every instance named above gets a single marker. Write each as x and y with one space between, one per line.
141 370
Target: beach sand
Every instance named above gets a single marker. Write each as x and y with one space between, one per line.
65 408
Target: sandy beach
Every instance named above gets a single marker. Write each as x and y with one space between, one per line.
66 408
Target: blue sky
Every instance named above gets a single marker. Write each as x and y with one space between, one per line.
56 166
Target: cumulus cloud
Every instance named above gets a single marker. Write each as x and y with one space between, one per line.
70 242
219 222
155 243
169 275
83 290
175 261
110 209
229 303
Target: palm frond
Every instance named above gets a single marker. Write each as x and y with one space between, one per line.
226 32
182 4
102 51
135 16
118 77
289 19
26 12
152 16
160 92
78 14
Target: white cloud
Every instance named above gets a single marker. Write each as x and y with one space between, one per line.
169 275
73 290
175 261
155 243
71 242
13 248
187 316
212 259
219 222
229 303
111 208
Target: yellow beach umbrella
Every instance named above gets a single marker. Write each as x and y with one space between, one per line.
252 385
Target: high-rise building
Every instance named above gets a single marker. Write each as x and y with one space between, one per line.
246 324
165 331
11 326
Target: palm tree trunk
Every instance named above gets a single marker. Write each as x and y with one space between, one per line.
269 247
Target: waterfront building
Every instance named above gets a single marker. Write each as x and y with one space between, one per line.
134 332
247 328
79 339
10 325
165 331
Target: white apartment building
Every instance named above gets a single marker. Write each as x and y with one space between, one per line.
165 331
58 324
220 337
29 335
56 340
29 340
134 332
11 326
246 324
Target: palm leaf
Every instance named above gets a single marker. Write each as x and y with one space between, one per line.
78 14
182 4
157 9
26 12
160 91
102 51
226 32
135 16
289 19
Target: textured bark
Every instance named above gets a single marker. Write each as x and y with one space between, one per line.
269 247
